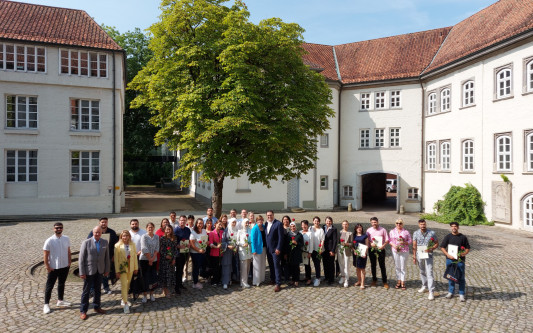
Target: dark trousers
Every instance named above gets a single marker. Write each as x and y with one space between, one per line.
57 274
295 272
235 267
149 274
285 268
329 266
307 271
197 264
91 280
180 262
381 261
316 263
214 269
274 264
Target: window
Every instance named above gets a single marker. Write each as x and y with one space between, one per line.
365 138
380 137
394 136
365 101
529 76
412 194
347 191
85 166
468 155
529 151
85 115
22 58
503 153
380 100
431 156
445 100
324 141
21 166
395 99
504 83
445 155
468 93
432 103
83 63
21 111
527 210
323 182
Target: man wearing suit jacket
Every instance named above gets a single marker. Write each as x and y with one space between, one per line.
274 239
330 247
93 263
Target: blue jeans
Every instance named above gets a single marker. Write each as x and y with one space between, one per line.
197 263
462 281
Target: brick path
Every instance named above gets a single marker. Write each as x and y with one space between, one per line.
499 293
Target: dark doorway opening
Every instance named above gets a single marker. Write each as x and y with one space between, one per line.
379 191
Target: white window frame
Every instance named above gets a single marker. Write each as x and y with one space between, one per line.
324 140
93 166
504 82
431 156
364 138
38 65
74 63
24 169
26 114
324 182
528 147
445 98
379 137
395 99
445 155
432 103
467 149
527 210
468 93
503 148
394 137
379 100
347 191
412 194
365 101
79 117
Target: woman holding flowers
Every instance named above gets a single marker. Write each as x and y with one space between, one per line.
345 253
258 247
229 247
198 245
215 243
168 249
294 255
125 261
148 260
245 253
317 247
399 242
359 260
307 250
285 265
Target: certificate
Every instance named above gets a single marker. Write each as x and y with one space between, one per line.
421 252
453 250
185 249
378 241
362 249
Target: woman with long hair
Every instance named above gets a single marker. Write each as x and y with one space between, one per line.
125 260
307 250
168 245
148 260
198 245
317 246
360 257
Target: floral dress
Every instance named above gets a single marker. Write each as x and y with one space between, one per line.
167 275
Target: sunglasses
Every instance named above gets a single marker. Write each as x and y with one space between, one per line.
58 227
399 223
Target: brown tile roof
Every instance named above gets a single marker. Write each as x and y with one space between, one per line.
496 23
396 57
44 24
321 57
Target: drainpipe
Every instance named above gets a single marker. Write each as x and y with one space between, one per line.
422 175
339 149
114 134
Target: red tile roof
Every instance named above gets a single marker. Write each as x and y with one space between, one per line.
44 24
494 24
321 57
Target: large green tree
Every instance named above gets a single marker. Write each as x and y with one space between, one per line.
234 96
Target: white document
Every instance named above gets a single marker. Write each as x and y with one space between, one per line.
453 250
185 249
362 249
107 237
421 252
378 241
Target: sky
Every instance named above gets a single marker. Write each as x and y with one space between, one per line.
329 22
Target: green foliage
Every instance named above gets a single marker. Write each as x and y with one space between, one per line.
144 173
236 97
461 204
504 178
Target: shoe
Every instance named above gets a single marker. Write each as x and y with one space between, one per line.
143 300
421 290
83 315
63 303
345 284
386 285
46 309
108 291
225 286
341 280
322 278
100 310
124 304
126 309
373 284
317 283
152 298
245 285
183 279
449 295
430 296
198 286
362 287
277 288
462 298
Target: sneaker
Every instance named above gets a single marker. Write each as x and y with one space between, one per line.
245 285
123 304
144 299
462 298
152 298
449 295
341 280
46 309
225 286
183 279
126 309
430 296
317 283
108 291
63 303
346 284
421 290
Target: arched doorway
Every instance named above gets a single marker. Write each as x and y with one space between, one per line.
378 190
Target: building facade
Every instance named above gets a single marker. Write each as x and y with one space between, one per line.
62 90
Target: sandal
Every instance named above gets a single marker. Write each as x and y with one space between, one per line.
403 286
362 287
357 284
398 285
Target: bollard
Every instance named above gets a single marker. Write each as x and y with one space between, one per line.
350 208
402 210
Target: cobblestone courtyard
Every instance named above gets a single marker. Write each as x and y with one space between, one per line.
498 274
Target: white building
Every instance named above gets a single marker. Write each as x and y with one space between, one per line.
62 85
436 108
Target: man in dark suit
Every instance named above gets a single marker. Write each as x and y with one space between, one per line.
93 263
274 239
330 246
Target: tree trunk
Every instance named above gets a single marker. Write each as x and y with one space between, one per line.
216 198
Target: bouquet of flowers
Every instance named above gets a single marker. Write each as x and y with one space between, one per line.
169 253
356 250
292 243
306 246
202 245
400 243
461 251
124 265
249 242
185 243
375 249
431 243
342 247
232 242
320 250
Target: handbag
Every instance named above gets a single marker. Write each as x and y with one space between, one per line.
452 273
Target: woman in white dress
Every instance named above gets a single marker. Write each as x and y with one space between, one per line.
245 253
307 250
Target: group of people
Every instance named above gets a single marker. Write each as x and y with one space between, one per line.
237 249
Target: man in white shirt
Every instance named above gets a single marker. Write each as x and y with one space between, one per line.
57 261
136 235
244 215
173 220
210 215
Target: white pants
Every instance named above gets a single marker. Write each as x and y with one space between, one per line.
259 267
400 258
344 263
245 269
426 273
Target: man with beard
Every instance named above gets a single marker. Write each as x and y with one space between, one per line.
111 237
173 220
136 235
57 261
183 234
210 216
